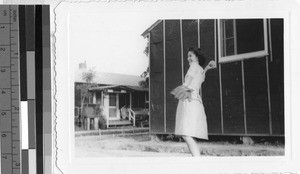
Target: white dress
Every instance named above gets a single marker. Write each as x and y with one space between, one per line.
190 115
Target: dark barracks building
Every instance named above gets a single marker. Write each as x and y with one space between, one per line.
243 96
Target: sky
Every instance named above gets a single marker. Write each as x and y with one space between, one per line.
110 43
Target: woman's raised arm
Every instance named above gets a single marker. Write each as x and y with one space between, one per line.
210 65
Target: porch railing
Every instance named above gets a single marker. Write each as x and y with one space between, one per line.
90 115
133 114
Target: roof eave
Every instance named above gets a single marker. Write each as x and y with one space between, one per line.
124 87
146 32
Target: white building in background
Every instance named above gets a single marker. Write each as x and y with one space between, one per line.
113 91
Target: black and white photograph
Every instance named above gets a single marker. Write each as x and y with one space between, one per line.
148 82
232 71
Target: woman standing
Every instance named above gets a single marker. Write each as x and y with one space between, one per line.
190 115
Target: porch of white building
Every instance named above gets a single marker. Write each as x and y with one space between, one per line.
114 107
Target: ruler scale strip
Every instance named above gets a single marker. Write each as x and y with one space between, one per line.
23 59
25 89
10 90
23 83
31 87
39 88
47 120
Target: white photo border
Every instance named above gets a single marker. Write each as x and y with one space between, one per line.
64 150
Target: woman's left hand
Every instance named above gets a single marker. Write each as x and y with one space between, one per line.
212 64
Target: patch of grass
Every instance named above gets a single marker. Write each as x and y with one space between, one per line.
154 144
221 150
150 149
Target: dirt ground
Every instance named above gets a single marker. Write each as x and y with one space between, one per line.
143 146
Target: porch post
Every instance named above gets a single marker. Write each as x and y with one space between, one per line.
102 99
96 123
88 123
130 100
94 97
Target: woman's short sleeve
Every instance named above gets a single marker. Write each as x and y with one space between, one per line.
192 70
190 75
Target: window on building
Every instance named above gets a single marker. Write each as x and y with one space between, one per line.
242 39
112 99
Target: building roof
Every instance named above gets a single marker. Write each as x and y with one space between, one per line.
111 79
144 34
118 87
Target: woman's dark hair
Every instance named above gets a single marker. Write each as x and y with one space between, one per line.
198 53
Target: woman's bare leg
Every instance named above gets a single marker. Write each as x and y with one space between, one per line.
190 141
